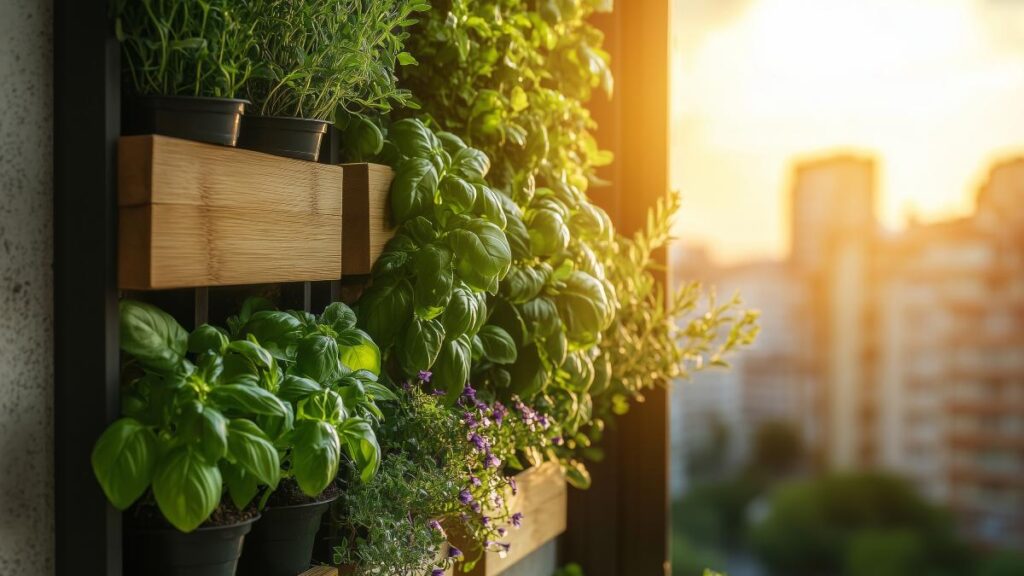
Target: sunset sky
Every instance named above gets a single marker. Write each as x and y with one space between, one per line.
933 88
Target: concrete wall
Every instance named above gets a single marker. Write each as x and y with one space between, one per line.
26 282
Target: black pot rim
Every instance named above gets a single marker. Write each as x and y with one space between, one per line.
199 529
184 98
306 504
308 124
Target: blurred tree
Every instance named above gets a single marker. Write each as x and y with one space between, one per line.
884 553
812 527
778 448
1002 564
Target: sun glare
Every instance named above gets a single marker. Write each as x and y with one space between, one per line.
931 88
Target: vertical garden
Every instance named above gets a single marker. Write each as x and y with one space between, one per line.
469 322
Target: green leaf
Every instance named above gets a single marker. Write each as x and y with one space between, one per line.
187 489
152 336
548 233
316 453
488 206
461 313
413 139
244 400
470 164
359 352
451 369
524 283
338 316
123 460
362 446
242 485
434 277
420 346
294 388
584 308
498 346
413 189
317 357
325 406
456 194
277 332
209 434
207 338
406 59
528 374
385 309
451 143
254 353
362 139
482 255
250 448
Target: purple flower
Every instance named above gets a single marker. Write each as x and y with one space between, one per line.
475 481
512 483
557 441
499 412
438 392
465 497
517 519
454 552
435 525
470 420
491 461
475 507
543 421
502 532
437 572
406 385
468 392
486 520
425 375
479 442
503 552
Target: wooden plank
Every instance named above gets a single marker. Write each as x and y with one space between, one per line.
366 216
162 170
175 245
542 499
193 214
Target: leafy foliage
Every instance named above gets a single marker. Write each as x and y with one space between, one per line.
316 58
185 47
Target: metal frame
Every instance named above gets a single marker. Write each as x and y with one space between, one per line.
86 123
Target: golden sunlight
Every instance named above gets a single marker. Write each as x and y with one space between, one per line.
933 89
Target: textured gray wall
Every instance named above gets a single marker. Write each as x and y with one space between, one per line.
26 280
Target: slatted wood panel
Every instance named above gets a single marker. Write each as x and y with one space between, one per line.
367 216
193 214
321 571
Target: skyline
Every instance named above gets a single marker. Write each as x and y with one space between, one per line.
930 90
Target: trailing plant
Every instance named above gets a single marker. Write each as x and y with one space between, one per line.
318 57
196 414
329 377
185 47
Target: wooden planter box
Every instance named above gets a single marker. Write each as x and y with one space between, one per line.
367 223
543 501
193 214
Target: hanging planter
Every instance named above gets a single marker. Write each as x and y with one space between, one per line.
184 62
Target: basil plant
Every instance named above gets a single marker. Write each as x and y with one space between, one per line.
198 414
428 299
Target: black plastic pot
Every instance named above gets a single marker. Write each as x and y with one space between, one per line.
212 120
289 137
208 551
281 543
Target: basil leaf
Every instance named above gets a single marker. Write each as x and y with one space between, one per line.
339 317
242 485
359 352
316 453
584 308
548 233
434 277
451 369
413 139
210 434
450 142
540 316
579 371
498 346
324 406
413 189
254 353
207 338
123 461
294 388
250 448
482 255
470 164
244 400
277 332
488 206
420 346
456 194
361 443
317 357
524 283
461 313
528 374
152 336
187 489
385 309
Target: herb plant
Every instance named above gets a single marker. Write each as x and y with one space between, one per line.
318 57
185 47
189 426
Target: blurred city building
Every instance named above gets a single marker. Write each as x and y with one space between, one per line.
896 351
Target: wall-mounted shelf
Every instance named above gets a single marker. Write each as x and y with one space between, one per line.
193 214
